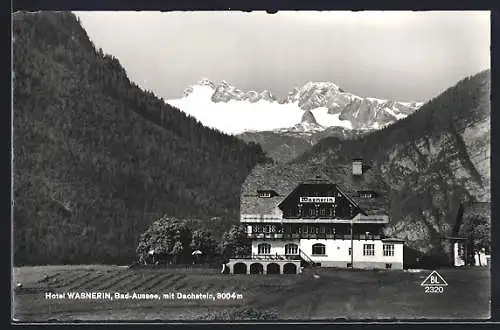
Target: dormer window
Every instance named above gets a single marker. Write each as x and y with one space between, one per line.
367 194
266 193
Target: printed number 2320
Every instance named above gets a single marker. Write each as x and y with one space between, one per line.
434 289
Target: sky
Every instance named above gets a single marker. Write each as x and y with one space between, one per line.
405 56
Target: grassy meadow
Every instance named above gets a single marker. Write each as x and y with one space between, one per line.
325 294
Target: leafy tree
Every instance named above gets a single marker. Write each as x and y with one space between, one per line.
204 242
235 242
169 241
177 251
477 229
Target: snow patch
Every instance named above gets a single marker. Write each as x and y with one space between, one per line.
398 116
235 117
325 119
373 99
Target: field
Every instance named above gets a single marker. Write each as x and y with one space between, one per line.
326 294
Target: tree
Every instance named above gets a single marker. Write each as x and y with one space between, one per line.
177 251
477 230
166 240
235 242
204 242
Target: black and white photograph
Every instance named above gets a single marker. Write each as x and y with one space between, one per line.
232 166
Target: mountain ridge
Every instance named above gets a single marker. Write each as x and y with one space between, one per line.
435 161
330 104
97 159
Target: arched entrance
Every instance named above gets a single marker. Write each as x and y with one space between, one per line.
289 269
239 268
273 268
256 268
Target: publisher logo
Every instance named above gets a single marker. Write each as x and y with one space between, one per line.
434 283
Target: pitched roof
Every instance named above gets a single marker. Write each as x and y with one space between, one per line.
477 208
284 178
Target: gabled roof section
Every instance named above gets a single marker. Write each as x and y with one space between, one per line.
284 178
477 208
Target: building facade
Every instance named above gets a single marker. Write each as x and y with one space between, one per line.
297 216
463 252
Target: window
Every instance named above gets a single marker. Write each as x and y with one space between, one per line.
368 249
322 212
292 213
318 249
266 193
388 250
291 248
264 248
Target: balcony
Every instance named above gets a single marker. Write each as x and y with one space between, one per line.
270 257
288 236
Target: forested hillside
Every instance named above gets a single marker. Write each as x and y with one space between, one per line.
97 159
434 160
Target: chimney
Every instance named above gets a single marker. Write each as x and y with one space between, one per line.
357 166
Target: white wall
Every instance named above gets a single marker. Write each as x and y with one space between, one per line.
459 261
336 250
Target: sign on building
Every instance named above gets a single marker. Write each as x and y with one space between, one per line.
325 199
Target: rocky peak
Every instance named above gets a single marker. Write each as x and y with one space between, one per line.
206 82
225 92
308 117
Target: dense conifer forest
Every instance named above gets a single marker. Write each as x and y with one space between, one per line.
460 105
97 159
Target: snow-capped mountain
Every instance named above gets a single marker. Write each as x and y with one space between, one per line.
222 106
